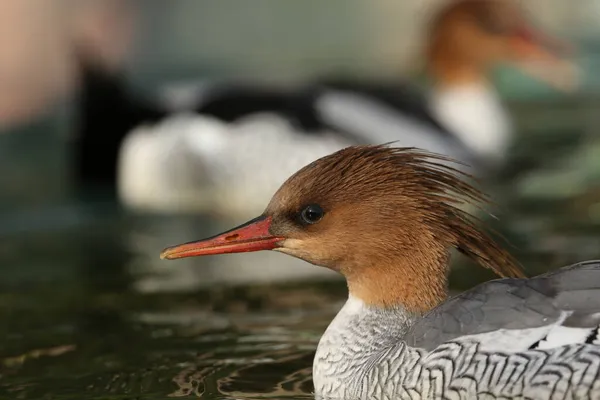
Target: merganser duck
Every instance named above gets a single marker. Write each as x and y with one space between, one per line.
386 219
208 155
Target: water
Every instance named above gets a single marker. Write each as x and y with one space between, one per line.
75 326
88 311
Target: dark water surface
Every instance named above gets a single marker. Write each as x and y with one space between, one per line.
88 311
75 326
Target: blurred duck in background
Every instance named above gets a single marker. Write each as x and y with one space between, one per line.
205 161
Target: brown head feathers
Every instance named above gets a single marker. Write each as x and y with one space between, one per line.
468 37
390 217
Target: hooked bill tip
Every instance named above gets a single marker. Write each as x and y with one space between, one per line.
165 254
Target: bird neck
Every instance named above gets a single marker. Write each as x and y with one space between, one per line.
416 281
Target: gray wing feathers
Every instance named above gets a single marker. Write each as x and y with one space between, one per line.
515 304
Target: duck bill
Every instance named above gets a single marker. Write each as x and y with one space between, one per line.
529 39
254 235
545 58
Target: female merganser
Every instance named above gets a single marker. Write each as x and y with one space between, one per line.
209 155
386 219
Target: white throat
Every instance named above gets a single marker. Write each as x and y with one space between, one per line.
475 114
356 338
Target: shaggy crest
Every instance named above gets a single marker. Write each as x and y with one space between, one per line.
424 188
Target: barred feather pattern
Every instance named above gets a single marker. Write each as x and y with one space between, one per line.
360 357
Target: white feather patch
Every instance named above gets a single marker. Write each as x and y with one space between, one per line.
563 335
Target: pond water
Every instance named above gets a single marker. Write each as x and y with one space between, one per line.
88 311
78 322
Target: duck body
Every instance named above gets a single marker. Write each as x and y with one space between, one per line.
241 143
527 338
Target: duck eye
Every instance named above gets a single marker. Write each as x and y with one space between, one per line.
312 214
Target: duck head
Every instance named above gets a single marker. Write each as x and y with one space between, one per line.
386 218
